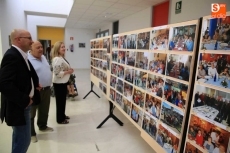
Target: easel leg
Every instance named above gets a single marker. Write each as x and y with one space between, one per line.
91 91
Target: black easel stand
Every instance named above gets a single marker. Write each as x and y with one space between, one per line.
91 91
111 108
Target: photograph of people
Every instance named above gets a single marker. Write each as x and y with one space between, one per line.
129 74
171 116
118 98
150 126
191 149
126 106
143 40
155 85
104 65
100 43
121 42
91 44
104 88
121 57
113 80
138 97
108 62
167 140
214 69
152 106
114 69
157 63
132 41
213 105
114 56
112 94
130 58
140 79
97 44
159 39
115 41
175 93
135 114
178 66
216 34
104 77
119 85
209 137
128 91
142 60
182 38
107 44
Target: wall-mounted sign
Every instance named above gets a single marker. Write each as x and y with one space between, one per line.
178 7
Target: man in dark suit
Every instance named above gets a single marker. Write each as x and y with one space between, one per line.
19 87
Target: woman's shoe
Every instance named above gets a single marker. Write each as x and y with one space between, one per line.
67 117
64 122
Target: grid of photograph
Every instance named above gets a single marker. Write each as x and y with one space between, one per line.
209 125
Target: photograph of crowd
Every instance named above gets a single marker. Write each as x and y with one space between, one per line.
182 38
216 34
121 42
108 62
121 57
140 79
107 44
175 93
120 85
96 44
152 106
155 85
137 115
103 76
126 106
102 86
114 56
113 81
214 69
117 70
159 39
129 74
130 58
213 105
101 43
157 63
138 97
128 91
112 94
143 40
208 136
104 66
131 41
191 149
119 98
178 66
150 126
142 60
167 140
115 41
171 116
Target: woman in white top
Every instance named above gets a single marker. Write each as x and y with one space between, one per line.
212 71
61 75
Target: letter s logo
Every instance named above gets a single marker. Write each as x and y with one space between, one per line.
215 7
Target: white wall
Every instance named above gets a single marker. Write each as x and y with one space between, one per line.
34 21
80 58
139 20
192 9
106 27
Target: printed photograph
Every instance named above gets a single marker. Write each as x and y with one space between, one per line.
97 44
182 38
122 42
100 85
100 43
191 149
108 62
113 81
214 69
172 116
120 71
178 66
140 79
121 57
212 105
126 106
131 41
96 53
92 44
119 98
129 75
130 58
114 69
114 56
115 41
209 136
157 63
104 88
128 91
175 93
138 97
107 44
159 39
143 40
112 94
104 66
137 115
216 34
167 140
142 60
152 106
155 85
120 85
150 126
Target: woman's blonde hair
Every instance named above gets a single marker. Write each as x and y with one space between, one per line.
56 48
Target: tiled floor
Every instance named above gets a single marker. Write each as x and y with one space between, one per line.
81 135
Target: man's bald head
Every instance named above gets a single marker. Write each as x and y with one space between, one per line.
17 33
37 49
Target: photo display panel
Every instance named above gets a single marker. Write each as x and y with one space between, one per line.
209 122
149 80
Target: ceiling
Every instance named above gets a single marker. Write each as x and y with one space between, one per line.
93 14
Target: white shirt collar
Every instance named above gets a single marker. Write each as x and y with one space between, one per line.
24 55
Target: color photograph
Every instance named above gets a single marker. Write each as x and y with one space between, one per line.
130 58
108 62
178 66
191 149
140 79
121 57
143 40
127 106
159 39
114 69
115 41
214 69
121 42
138 97
172 116
112 94
175 93
113 81
117 70
119 98
129 75
101 43
150 126
155 85
182 38
137 115
131 41
120 85
128 91
152 106
216 34
107 44
142 60
157 63
114 56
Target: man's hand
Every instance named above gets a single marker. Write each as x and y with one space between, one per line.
39 87
31 102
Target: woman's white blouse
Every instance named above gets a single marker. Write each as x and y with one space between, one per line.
59 66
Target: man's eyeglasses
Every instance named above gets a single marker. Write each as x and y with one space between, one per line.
26 38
